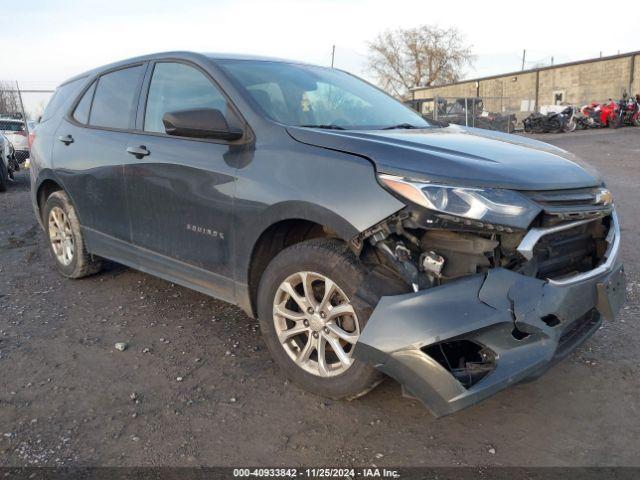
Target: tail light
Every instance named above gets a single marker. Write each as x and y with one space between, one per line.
31 138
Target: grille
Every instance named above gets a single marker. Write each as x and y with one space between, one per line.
565 205
570 251
578 249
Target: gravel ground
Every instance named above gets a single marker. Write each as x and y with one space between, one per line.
196 386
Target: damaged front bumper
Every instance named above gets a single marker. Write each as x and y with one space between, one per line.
456 344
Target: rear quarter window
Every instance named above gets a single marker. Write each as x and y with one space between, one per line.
60 96
81 113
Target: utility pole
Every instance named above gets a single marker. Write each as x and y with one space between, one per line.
524 55
333 55
24 114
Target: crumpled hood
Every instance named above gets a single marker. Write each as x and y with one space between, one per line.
459 155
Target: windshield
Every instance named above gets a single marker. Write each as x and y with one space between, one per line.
304 95
11 125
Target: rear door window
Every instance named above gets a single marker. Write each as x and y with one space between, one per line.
114 100
176 86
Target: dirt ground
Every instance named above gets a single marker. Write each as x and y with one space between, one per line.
196 385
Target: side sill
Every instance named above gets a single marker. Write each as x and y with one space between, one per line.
146 261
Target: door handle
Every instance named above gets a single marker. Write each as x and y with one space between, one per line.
66 139
138 152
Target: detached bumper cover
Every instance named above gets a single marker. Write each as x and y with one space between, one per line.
485 309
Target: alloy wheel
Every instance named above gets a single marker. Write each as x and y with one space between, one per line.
316 324
61 236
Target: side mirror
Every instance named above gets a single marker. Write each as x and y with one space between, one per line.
199 123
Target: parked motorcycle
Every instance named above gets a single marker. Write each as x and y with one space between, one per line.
629 110
570 123
599 115
553 122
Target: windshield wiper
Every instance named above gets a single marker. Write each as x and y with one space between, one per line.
399 126
325 126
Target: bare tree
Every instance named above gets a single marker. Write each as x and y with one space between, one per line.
418 57
9 101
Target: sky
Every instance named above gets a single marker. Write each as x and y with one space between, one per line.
44 42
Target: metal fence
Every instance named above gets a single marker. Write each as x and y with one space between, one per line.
20 110
492 113
506 113
488 112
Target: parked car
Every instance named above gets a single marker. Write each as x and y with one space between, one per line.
365 239
6 152
11 165
16 131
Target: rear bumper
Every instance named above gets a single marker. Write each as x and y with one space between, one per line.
526 324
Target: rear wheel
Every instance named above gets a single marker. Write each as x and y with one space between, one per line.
555 125
309 321
66 241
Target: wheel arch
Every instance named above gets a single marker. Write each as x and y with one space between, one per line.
45 187
284 225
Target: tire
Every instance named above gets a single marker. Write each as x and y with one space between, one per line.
555 125
569 126
69 252
4 176
333 260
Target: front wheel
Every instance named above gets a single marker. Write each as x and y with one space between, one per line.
569 126
309 321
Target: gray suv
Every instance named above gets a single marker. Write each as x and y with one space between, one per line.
366 240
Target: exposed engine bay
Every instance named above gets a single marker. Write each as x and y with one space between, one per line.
429 250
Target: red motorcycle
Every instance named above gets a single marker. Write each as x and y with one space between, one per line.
600 115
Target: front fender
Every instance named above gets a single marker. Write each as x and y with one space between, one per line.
300 210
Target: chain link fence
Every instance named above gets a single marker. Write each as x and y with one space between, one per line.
506 113
20 110
492 113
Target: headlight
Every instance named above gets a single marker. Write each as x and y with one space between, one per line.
486 205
